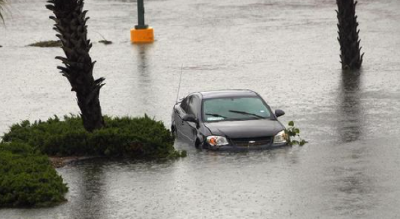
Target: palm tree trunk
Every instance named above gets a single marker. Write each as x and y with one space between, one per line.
2 3
72 31
348 35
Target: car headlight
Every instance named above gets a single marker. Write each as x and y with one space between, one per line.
217 140
280 138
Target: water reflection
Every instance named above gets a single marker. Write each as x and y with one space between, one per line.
142 65
142 90
350 110
90 199
351 178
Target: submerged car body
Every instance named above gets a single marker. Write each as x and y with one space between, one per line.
227 120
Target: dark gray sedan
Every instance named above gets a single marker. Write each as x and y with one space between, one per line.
227 119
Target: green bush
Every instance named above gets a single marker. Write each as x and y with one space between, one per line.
132 137
27 178
293 132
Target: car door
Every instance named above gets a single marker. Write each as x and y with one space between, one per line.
181 110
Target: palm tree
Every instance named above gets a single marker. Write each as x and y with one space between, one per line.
348 35
71 26
2 2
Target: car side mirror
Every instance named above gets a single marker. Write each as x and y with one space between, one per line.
190 118
279 113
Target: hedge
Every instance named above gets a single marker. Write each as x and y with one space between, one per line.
27 178
141 137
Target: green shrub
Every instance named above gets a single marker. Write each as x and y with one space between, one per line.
293 133
133 137
27 178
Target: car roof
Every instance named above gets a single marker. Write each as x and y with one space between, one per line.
227 94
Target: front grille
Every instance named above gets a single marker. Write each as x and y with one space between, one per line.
251 142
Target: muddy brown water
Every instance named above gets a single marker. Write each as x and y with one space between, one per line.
285 50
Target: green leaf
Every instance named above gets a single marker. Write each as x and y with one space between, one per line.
294 142
302 142
291 123
297 131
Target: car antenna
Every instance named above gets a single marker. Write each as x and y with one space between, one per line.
179 86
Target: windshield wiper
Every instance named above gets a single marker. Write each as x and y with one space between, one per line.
247 113
216 115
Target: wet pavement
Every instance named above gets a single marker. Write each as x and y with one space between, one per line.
285 50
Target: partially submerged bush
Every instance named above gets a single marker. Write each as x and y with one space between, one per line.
294 132
105 42
27 178
133 137
49 43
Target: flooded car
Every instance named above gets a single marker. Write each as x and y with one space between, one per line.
227 120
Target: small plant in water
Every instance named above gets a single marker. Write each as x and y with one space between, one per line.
48 43
105 42
294 134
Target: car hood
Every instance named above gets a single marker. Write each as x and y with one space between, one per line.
245 128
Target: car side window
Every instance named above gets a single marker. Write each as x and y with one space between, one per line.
194 106
184 105
190 105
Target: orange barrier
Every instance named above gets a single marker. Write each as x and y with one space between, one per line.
142 35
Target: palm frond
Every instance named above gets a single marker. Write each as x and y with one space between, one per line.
2 3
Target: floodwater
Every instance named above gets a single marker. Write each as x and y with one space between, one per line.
286 50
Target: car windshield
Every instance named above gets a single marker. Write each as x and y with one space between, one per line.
237 108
